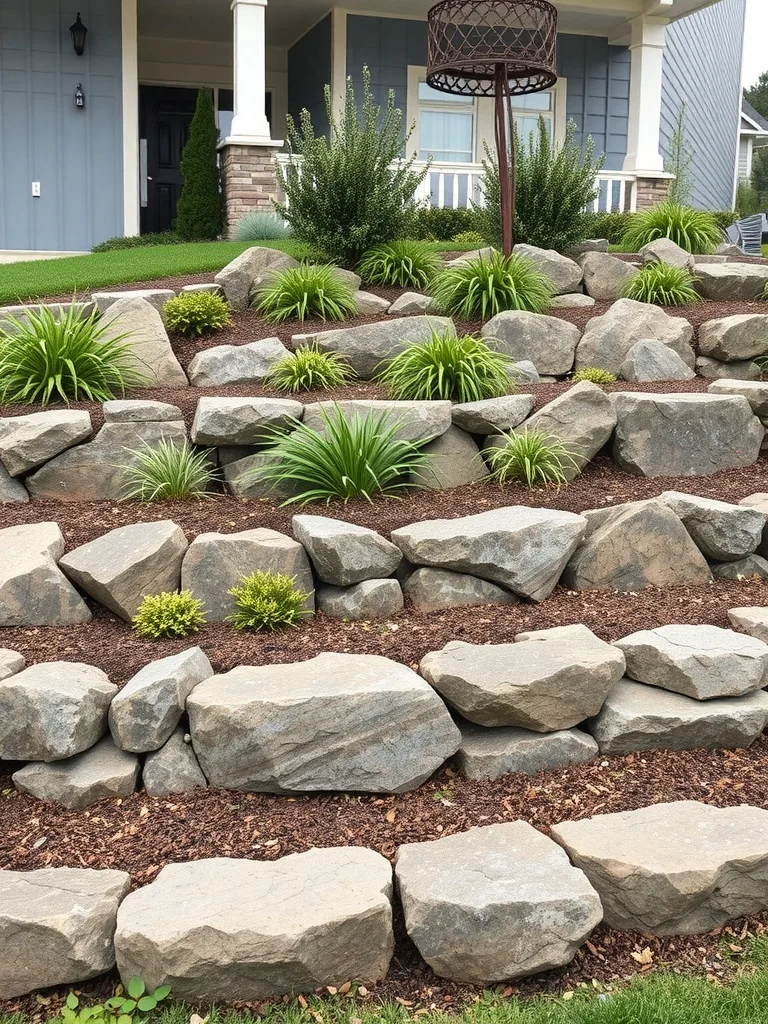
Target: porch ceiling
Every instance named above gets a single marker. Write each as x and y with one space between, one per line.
288 20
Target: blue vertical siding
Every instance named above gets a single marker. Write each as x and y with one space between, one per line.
702 68
309 71
76 155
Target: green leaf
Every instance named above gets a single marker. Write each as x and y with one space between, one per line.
72 1001
162 992
147 1003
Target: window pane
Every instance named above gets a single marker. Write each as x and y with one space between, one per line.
527 126
430 95
446 136
534 101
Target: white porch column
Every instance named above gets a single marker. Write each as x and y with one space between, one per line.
250 125
130 93
647 49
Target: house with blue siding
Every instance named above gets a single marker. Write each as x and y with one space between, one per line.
91 135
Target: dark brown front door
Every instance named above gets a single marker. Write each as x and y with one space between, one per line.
165 116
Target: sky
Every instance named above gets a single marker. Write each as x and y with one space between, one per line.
756 41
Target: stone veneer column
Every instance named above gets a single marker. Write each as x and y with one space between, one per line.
652 191
248 180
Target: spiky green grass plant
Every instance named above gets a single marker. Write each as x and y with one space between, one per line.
309 369
167 470
403 264
481 287
533 457
696 231
304 292
661 284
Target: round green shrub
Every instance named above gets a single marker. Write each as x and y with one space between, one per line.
309 369
196 313
472 239
267 600
168 615
595 375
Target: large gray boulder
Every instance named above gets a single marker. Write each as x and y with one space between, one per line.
755 392
578 300
564 273
744 568
11 662
605 276
344 553
664 250
336 722
28 441
684 435
226 929
731 281
140 410
639 544
721 531
453 460
244 478
676 868
698 661
120 568
173 768
547 341
433 590
367 601
582 418
651 360
11 491
56 926
489 753
28 566
53 710
236 364
638 717
494 903
367 346
217 562
416 421
246 272
492 415
524 549
248 421
409 302
103 772
544 684
147 710
732 338
608 338
147 341
752 621
713 369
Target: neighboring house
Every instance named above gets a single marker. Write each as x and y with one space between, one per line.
753 134
111 165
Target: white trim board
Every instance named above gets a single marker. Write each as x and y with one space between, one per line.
130 95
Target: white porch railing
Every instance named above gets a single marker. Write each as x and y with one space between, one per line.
455 185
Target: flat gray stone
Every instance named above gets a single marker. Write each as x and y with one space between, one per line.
489 753
494 903
745 568
677 868
417 421
755 392
582 418
367 601
752 621
522 371
212 288
411 302
545 684
577 300
147 340
731 338
251 421
53 710
547 341
236 364
492 415
156 297
638 717
120 568
433 590
145 713
26 442
140 410
240 278
28 565
664 250
350 722
368 303
56 925
731 281
714 369
368 346
173 768
101 773
651 360
721 531
11 662
344 553
608 338
524 549
11 491
564 273
588 245
453 460
217 562
605 276
229 930
244 479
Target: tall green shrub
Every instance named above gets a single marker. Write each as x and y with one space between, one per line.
343 195
678 159
554 186
198 214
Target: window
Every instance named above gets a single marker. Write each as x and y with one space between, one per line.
446 126
527 110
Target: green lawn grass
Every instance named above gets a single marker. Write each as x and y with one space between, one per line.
20 282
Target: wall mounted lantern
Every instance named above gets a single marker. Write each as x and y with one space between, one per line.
78 31
79 96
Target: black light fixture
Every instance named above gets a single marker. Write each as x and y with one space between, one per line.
79 96
78 31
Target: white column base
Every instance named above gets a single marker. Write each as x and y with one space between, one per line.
251 140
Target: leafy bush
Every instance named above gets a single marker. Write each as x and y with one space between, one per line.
267 600
167 471
462 369
168 615
613 225
118 1009
725 218
532 457
472 239
595 375
434 223
196 313
304 292
121 242
695 231
199 210
345 196
261 225
479 288
406 264
355 458
309 369
555 185
662 285
44 359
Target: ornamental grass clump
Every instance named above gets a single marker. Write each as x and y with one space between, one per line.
359 457
406 264
168 615
533 457
44 359
260 226
267 600
196 313
464 369
308 291
309 369
167 471
696 231
595 375
661 284
481 287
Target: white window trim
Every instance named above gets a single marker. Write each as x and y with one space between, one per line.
416 75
